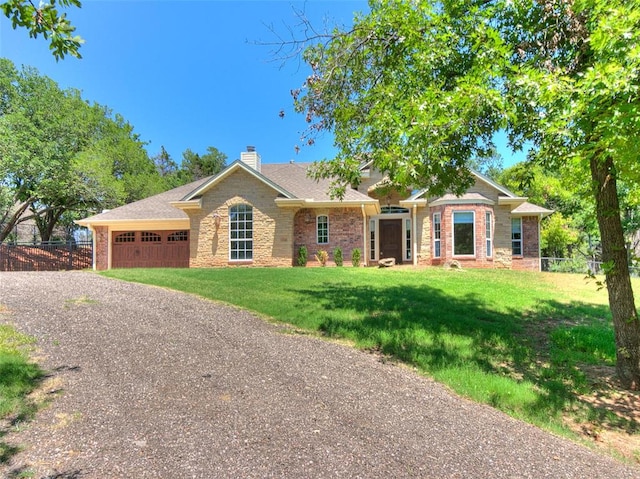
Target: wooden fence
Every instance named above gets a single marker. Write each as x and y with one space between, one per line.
54 256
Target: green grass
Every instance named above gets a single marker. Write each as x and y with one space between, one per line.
18 377
509 339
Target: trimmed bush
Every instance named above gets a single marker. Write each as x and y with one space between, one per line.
302 256
337 256
355 257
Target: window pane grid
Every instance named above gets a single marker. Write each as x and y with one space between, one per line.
516 236
372 239
408 235
240 233
436 235
128 237
322 227
488 234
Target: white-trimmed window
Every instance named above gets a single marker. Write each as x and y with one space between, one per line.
322 229
516 236
407 231
437 230
488 235
241 233
464 243
372 239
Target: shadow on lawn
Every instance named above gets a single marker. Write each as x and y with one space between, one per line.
439 332
17 378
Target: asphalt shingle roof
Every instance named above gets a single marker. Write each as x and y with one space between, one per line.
292 177
153 207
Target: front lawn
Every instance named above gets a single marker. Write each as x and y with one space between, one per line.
526 343
18 377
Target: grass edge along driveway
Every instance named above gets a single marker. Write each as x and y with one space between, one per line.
521 342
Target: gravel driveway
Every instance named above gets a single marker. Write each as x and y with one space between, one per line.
159 384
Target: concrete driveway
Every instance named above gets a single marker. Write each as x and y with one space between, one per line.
149 383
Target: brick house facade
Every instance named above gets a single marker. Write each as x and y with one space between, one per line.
260 215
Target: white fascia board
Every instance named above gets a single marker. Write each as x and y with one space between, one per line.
187 205
417 202
139 224
462 201
514 200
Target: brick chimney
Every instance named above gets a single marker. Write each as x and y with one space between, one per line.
251 158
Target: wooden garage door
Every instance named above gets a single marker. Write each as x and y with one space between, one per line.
150 249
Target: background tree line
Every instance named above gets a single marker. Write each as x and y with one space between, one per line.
572 230
63 158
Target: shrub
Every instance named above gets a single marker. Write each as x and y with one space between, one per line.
321 257
355 257
302 256
337 256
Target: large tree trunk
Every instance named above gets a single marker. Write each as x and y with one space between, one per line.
614 255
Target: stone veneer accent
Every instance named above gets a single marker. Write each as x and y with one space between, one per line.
272 226
345 232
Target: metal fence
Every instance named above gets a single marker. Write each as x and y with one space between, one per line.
46 256
578 265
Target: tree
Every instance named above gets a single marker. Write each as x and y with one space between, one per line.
421 87
167 169
61 157
195 166
46 20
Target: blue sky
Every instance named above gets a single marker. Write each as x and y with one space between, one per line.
192 74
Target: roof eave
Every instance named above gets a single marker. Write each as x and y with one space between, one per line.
369 204
462 201
511 200
190 205
130 222
414 202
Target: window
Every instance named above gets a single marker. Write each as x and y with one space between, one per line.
463 233
407 228
240 233
372 239
437 228
322 229
149 237
128 237
386 210
516 236
178 236
487 219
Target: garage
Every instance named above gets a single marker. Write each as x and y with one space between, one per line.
150 249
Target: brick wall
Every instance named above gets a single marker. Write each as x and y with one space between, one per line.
345 231
530 259
101 235
272 226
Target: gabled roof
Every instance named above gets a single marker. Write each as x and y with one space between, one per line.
466 198
527 208
501 189
235 166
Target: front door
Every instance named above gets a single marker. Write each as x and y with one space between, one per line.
391 239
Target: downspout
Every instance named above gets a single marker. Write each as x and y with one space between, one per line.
365 259
415 235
